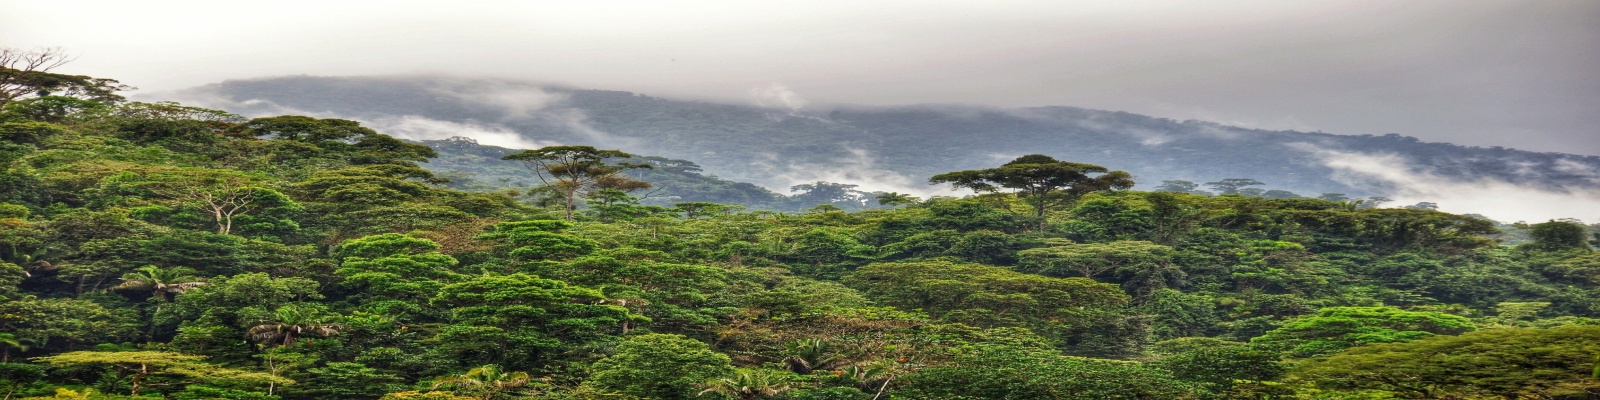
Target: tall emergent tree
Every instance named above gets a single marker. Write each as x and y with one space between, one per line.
1233 185
222 194
574 170
1043 180
26 73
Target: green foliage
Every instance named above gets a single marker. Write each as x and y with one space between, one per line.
1142 266
30 132
143 365
486 382
343 265
1039 178
997 372
1333 329
400 271
575 170
1507 363
1065 310
659 366
63 323
1559 235
1218 365
517 319
537 240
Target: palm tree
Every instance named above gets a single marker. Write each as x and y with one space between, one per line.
291 321
487 381
869 377
805 355
161 282
748 385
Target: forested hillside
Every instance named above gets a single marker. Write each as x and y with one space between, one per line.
779 147
155 250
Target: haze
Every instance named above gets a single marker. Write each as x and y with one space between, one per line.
1488 73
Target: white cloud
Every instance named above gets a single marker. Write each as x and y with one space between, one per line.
422 128
515 100
578 121
1498 199
777 95
859 168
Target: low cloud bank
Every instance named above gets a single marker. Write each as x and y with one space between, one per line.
778 95
1501 200
858 168
422 128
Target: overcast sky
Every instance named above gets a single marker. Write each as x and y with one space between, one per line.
1516 74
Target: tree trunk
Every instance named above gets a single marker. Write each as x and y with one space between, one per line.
881 388
222 228
138 379
571 205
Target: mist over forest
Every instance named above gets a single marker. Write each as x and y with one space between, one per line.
822 200
778 141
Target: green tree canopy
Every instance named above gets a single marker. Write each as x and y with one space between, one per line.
1510 363
139 366
575 170
659 366
1039 178
1333 329
1233 185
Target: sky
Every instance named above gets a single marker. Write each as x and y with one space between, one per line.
1483 72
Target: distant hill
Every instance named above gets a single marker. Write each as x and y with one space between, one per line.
890 148
474 166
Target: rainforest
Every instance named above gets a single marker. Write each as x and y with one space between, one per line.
154 250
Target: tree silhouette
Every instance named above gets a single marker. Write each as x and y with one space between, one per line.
1233 185
1040 179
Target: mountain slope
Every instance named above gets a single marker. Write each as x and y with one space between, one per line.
897 148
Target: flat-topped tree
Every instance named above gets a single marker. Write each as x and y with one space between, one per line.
26 73
1233 185
1040 179
571 170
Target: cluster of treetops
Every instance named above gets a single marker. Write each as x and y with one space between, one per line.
471 166
164 251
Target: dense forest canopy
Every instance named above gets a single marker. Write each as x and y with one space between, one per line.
157 250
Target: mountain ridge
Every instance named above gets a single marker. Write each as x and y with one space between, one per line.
778 147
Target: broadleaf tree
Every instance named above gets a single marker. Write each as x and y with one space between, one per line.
1042 180
575 170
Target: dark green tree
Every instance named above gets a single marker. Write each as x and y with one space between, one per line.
659 366
1510 363
487 382
1333 329
1007 372
141 366
160 282
1559 235
1042 180
578 170
1232 185
1177 186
